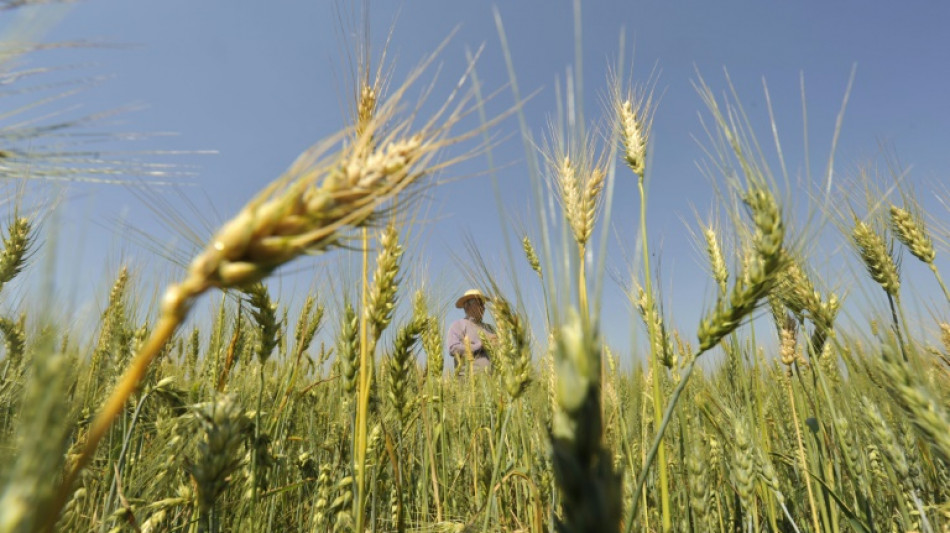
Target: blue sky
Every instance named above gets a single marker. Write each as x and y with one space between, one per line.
258 82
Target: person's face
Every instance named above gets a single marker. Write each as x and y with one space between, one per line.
475 308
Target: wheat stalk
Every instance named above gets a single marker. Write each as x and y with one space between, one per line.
634 115
753 284
590 489
578 176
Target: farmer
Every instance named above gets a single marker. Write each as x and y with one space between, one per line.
465 334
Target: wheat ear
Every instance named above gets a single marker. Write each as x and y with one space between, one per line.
877 257
910 229
924 410
16 249
579 182
760 276
348 349
306 211
912 233
514 350
531 255
225 424
634 110
716 262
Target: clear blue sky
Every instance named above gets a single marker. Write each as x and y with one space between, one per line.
258 82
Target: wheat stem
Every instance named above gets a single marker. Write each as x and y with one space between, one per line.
582 282
658 438
801 454
655 339
120 466
362 409
126 386
496 464
943 287
897 327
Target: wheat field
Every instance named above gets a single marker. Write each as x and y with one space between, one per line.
347 415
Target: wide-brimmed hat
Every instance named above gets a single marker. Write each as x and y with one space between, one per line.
469 294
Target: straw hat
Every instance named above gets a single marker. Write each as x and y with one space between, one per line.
469 294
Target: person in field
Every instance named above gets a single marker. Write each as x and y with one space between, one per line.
465 334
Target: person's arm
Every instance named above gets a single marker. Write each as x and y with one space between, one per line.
454 339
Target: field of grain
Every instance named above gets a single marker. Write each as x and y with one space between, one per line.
348 416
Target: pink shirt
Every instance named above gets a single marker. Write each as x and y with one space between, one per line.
466 327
